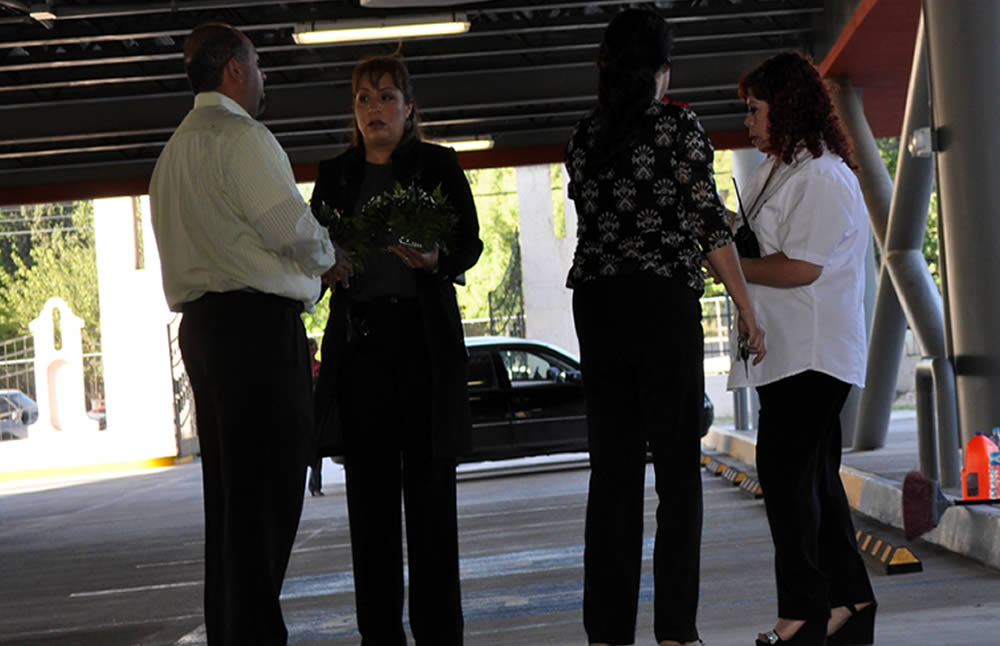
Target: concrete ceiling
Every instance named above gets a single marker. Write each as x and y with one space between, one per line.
90 90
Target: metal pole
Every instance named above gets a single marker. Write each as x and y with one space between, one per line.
963 50
876 186
745 402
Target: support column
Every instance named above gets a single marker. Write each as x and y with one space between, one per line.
745 402
876 186
545 261
134 317
963 51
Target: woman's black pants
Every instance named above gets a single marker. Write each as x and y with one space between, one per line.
816 560
386 402
641 347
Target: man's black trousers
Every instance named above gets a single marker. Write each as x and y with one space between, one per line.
246 355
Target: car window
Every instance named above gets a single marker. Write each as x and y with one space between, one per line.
481 372
5 405
22 400
524 366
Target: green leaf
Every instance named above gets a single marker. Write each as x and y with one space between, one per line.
404 215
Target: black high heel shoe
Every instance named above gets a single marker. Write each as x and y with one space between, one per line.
811 633
858 630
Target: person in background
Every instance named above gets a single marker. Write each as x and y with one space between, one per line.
316 469
641 178
395 367
241 257
808 291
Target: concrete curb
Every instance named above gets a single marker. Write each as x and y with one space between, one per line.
94 469
972 531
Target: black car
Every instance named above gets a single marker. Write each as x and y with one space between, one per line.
527 399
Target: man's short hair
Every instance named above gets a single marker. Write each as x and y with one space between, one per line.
207 50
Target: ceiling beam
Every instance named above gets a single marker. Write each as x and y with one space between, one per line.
176 55
74 12
16 5
686 17
142 35
771 9
349 64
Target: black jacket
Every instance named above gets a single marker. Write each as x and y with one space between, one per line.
338 185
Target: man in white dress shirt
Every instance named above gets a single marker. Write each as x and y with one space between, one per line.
242 256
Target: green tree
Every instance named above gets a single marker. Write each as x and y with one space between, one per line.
20 226
315 321
723 168
495 192
60 261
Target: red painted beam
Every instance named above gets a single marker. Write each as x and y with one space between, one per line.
47 193
553 154
875 51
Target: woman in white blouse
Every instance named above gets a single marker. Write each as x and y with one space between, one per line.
806 208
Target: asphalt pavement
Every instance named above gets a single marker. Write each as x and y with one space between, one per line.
117 562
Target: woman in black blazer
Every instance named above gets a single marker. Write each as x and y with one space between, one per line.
393 378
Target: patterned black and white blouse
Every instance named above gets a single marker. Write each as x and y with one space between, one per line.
654 208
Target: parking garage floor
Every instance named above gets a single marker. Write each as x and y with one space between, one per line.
117 562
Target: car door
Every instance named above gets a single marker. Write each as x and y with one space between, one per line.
490 407
546 401
11 427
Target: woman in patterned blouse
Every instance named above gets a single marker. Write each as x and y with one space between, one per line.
649 214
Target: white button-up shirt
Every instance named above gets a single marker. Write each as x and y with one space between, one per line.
812 210
227 214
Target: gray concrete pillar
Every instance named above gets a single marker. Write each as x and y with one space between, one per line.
745 401
963 52
876 186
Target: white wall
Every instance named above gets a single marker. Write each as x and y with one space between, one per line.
137 383
134 342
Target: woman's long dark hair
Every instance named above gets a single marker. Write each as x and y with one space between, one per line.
635 46
799 108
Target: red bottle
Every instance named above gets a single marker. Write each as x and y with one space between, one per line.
979 477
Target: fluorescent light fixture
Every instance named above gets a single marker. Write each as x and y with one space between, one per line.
42 14
466 145
343 31
408 4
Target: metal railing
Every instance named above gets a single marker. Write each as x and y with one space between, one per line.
17 365
506 302
716 317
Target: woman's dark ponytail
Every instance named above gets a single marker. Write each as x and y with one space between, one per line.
636 45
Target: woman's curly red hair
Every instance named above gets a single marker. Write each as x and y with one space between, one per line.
800 112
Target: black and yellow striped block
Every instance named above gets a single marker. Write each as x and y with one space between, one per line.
715 467
752 486
734 475
882 556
